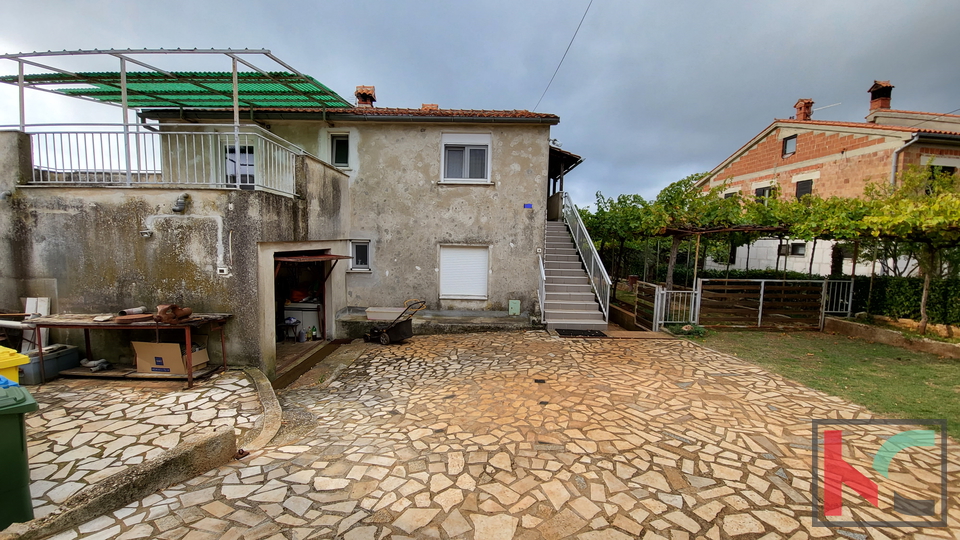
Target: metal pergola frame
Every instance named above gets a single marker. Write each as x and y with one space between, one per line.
236 56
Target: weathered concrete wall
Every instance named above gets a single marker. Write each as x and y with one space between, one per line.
14 170
400 206
398 203
86 241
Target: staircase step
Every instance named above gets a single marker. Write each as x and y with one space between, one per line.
575 285
555 296
562 265
562 257
576 325
570 305
564 272
572 314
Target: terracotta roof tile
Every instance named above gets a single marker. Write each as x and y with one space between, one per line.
866 125
919 112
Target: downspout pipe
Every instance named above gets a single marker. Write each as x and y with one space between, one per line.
896 158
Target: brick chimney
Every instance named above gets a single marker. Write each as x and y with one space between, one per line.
880 95
804 109
430 107
366 95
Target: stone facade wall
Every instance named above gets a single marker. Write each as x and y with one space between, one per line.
87 243
398 203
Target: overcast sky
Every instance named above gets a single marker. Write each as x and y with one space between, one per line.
649 92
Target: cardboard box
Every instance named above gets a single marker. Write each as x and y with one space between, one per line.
166 357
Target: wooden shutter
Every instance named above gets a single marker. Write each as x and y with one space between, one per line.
463 272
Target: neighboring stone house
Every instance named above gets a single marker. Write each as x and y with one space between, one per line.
243 209
801 155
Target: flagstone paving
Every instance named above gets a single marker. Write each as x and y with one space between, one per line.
528 436
88 429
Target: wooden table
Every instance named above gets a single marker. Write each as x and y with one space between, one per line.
86 323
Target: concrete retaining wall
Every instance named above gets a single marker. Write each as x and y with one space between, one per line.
890 337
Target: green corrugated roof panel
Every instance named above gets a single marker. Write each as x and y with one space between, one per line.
194 89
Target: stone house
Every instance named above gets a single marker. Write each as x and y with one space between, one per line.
801 155
277 203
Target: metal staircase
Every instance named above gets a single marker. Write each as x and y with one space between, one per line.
569 301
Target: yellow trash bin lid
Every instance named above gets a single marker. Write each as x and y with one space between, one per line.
9 360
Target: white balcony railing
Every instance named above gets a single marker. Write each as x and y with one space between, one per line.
163 155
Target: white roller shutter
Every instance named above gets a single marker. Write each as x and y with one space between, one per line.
463 272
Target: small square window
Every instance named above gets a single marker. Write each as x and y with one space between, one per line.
340 150
804 187
361 255
466 162
798 249
783 250
730 195
789 145
465 158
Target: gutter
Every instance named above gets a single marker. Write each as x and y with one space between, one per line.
334 117
896 158
916 137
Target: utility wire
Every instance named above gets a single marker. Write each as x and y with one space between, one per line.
564 55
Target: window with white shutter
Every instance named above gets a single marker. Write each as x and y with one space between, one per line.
464 271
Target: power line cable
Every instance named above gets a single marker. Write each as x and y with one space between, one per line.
564 55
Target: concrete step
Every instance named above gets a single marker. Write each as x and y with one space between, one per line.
559 244
572 314
562 265
564 272
555 296
570 305
562 257
562 284
577 325
571 251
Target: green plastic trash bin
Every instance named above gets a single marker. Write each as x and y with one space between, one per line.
15 503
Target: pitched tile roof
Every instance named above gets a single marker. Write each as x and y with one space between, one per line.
866 125
389 111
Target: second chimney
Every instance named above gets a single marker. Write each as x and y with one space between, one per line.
804 109
366 95
880 95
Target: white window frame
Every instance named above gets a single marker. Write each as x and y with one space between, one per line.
246 165
466 140
458 296
354 267
345 136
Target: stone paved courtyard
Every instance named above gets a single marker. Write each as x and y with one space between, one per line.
529 436
88 429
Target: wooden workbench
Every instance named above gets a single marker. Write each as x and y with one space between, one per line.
86 323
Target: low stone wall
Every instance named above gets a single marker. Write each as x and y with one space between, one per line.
196 455
890 337
623 318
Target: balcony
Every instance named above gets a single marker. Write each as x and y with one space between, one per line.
181 156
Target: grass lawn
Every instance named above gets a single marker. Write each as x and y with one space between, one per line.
892 382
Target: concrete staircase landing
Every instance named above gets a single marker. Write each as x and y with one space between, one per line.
570 303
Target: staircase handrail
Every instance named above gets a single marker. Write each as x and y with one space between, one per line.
543 286
599 279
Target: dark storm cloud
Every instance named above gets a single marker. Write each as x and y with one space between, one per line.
650 91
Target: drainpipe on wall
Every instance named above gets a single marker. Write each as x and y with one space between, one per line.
896 157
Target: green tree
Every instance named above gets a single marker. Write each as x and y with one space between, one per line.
923 209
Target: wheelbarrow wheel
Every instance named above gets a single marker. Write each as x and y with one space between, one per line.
384 339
